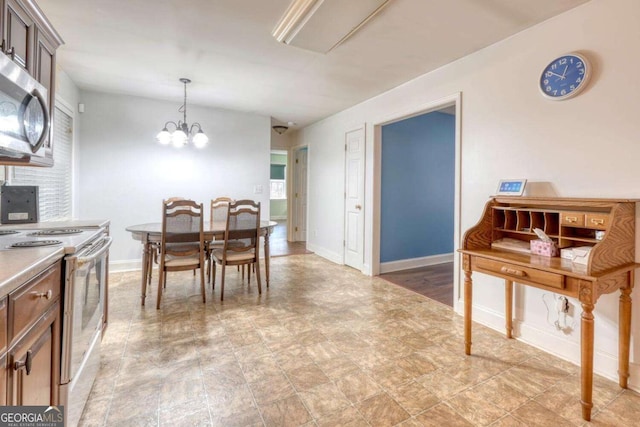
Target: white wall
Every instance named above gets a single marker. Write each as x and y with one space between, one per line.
125 175
585 147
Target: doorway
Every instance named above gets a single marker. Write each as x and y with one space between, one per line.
280 208
418 208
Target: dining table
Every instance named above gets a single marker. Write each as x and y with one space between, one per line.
150 235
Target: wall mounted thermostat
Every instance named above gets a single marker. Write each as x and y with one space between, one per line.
511 187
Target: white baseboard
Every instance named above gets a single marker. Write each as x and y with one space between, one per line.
604 364
331 256
125 265
406 264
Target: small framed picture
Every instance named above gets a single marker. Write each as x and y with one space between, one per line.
511 187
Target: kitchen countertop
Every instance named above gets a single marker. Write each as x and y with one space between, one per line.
71 223
18 266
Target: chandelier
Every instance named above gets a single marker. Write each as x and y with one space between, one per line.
182 132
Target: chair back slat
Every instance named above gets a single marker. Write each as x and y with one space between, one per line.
219 209
182 222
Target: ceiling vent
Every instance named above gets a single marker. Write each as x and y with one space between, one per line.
322 25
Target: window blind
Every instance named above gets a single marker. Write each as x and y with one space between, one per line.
277 171
55 182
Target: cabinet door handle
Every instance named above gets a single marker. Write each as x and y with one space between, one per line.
45 295
513 272
26 363
597 221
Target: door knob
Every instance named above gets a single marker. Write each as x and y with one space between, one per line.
358 207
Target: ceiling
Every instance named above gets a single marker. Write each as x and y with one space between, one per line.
142 48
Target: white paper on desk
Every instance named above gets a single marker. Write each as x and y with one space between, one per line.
542 235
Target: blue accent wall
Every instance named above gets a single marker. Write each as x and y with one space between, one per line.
418 171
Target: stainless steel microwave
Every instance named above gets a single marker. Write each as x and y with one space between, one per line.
24 116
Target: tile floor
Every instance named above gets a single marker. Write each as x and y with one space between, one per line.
324 346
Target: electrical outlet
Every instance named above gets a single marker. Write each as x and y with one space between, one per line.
562 305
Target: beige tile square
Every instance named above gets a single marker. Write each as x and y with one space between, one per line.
535 415
442 415
500 393
382 410
413 397
307 377
349 417
324 400
357 386
272 389
477 410
286 412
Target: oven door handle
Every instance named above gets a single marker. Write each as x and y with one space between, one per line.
95 251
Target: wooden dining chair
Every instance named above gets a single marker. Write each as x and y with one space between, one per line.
243 225
218 214
154 247
182 242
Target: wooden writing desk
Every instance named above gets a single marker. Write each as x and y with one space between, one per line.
569 222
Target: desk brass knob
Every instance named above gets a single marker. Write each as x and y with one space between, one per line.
513 272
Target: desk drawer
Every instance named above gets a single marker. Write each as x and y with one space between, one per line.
520 274
572 219
599 221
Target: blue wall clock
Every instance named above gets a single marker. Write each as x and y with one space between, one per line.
565 76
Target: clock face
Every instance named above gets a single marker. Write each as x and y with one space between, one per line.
565 77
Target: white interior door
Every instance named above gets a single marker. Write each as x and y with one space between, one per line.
354 199
300 195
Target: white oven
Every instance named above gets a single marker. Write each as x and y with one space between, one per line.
85 287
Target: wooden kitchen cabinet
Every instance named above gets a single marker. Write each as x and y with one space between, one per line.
45 60
31 41
18 35
3 351
34 333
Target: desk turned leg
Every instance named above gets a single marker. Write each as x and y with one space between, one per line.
467 311
266 256
586 383
624 333
508 308
146 249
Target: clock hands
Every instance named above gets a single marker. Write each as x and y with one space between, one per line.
564 73
557 75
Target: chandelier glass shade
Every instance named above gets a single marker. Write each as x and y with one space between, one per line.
182 132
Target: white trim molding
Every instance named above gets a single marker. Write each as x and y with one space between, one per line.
331 256
407 264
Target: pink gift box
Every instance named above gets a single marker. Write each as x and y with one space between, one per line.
538 247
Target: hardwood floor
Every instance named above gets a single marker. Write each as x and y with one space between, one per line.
279 246
435 282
